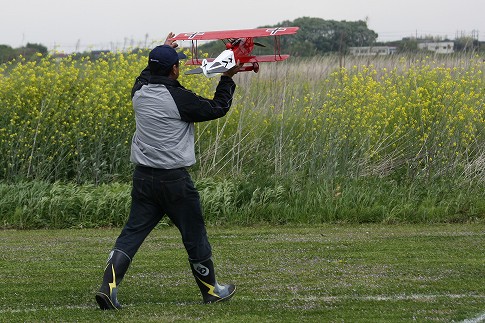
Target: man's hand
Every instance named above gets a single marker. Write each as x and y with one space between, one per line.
171 42
233 70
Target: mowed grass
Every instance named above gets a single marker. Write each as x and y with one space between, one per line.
327 273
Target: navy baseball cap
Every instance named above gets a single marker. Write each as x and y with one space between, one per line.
165 55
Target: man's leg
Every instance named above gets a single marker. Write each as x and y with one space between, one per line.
187 216
144 216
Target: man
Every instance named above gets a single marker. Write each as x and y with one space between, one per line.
162 147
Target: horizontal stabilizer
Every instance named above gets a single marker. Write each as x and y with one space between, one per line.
197 70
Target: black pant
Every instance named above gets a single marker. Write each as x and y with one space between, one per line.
157 192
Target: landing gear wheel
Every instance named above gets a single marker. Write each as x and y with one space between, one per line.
256 67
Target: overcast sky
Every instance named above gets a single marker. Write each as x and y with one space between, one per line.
67 25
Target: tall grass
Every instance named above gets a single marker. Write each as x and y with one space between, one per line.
387 139
37 204
72 120
33 204
417 117
68 119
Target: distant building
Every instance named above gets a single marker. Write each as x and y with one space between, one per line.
372 50
444 47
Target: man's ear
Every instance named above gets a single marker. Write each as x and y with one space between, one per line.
173 71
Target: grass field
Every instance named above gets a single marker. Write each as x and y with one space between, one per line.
328 273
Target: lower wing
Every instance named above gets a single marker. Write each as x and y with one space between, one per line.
245 59
252 61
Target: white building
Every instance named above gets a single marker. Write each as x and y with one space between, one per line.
372 50
444 47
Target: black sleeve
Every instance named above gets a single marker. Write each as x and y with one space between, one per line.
194 108
141 80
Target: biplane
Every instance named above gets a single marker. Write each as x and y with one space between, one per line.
239 46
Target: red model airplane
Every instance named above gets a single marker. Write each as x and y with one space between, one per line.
239 46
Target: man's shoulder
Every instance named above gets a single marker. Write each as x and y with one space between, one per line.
141 80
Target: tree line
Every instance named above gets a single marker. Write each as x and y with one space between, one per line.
29 51
316 37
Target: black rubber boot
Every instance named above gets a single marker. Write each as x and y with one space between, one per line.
205 277
116 267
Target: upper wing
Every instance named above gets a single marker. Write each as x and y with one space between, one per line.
242 33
